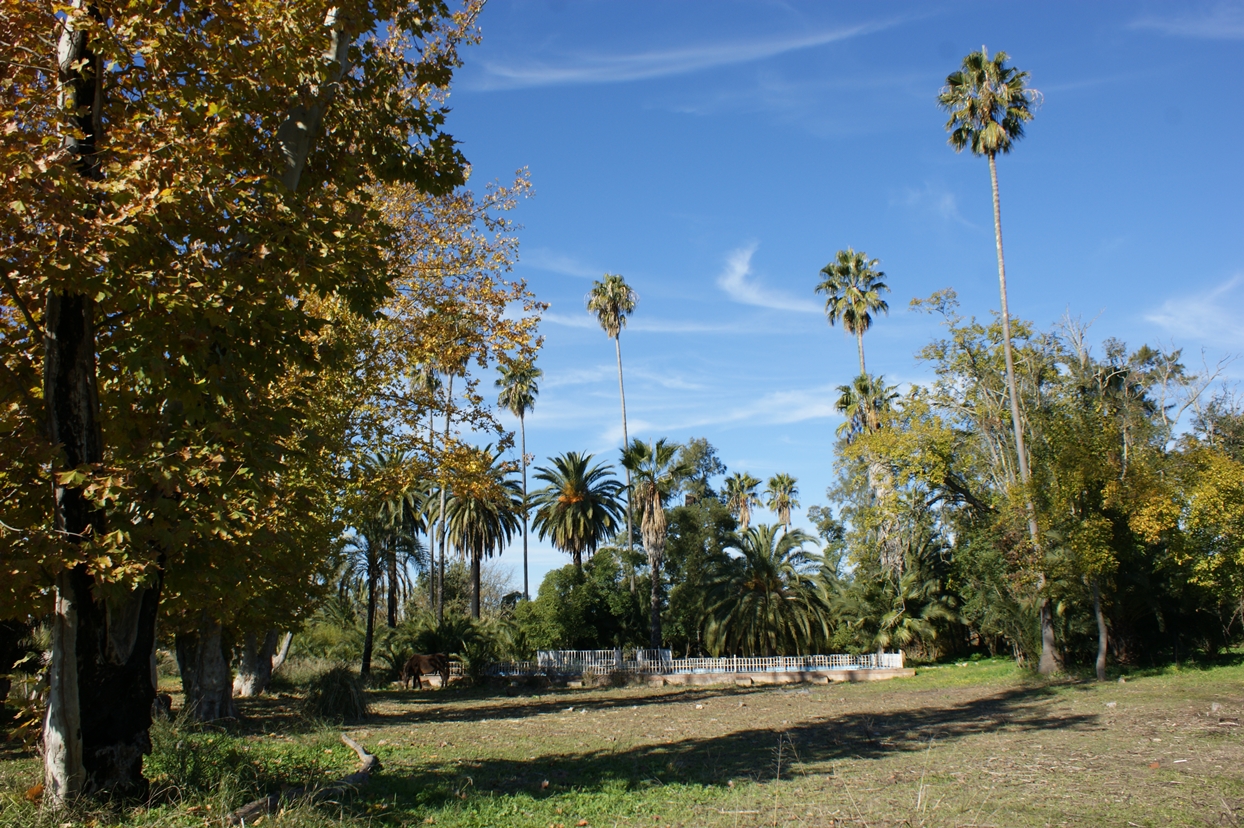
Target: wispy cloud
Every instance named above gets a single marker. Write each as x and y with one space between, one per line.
735 282
544 259
647 325
930 199
587 69
1211 316
569 320
1222 21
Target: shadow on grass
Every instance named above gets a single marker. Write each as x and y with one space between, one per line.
743 754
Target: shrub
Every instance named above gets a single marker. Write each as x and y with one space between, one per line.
336 695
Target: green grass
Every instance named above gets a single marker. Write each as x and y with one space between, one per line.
979 744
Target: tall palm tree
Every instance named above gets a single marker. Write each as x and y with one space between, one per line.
741 496
766 601
613 300
780 496
853 289
483 514
519 384
988 103
579 507
657 471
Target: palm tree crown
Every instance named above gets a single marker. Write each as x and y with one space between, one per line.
741 496
765 601
988 104
853 288
612 300
579 507
482 514
780 494
862 403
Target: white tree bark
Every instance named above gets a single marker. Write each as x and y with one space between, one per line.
63 773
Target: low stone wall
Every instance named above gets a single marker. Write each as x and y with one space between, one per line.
788 677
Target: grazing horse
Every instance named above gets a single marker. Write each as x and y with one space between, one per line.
425 665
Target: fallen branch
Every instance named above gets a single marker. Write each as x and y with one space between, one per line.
368 763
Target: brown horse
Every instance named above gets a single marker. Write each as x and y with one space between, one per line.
425 665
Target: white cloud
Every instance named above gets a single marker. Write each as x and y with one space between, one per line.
585 69
1211 316
644 324
1223 21
734 281
544 259
568 320
942 203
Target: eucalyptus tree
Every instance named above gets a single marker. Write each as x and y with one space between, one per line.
780 496
580 507
519 384
741 496
988 103
483 514
613 300
657 471
766 601
853 288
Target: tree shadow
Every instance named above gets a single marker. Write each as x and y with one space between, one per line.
753 753
528 705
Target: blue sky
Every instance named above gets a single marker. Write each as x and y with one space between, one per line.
717 154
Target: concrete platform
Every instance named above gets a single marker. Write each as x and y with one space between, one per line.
789 677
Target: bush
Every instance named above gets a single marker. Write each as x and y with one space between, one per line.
336 695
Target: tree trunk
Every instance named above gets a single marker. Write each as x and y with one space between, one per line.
1103 636
101 686
654 609
369 633
522 427
1049 658
203 657
256 664
475 586
859 340
391 595
101 680
626 442
440 578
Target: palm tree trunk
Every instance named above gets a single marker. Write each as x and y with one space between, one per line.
440 577
859 339
630 538
522 427
369 632
1103 636
431 530
654 608
1049 660
475 585
391 555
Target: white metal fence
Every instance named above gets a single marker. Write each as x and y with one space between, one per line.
661 662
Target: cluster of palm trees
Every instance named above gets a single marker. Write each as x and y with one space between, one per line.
582 505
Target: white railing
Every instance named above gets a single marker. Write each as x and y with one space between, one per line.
660 662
